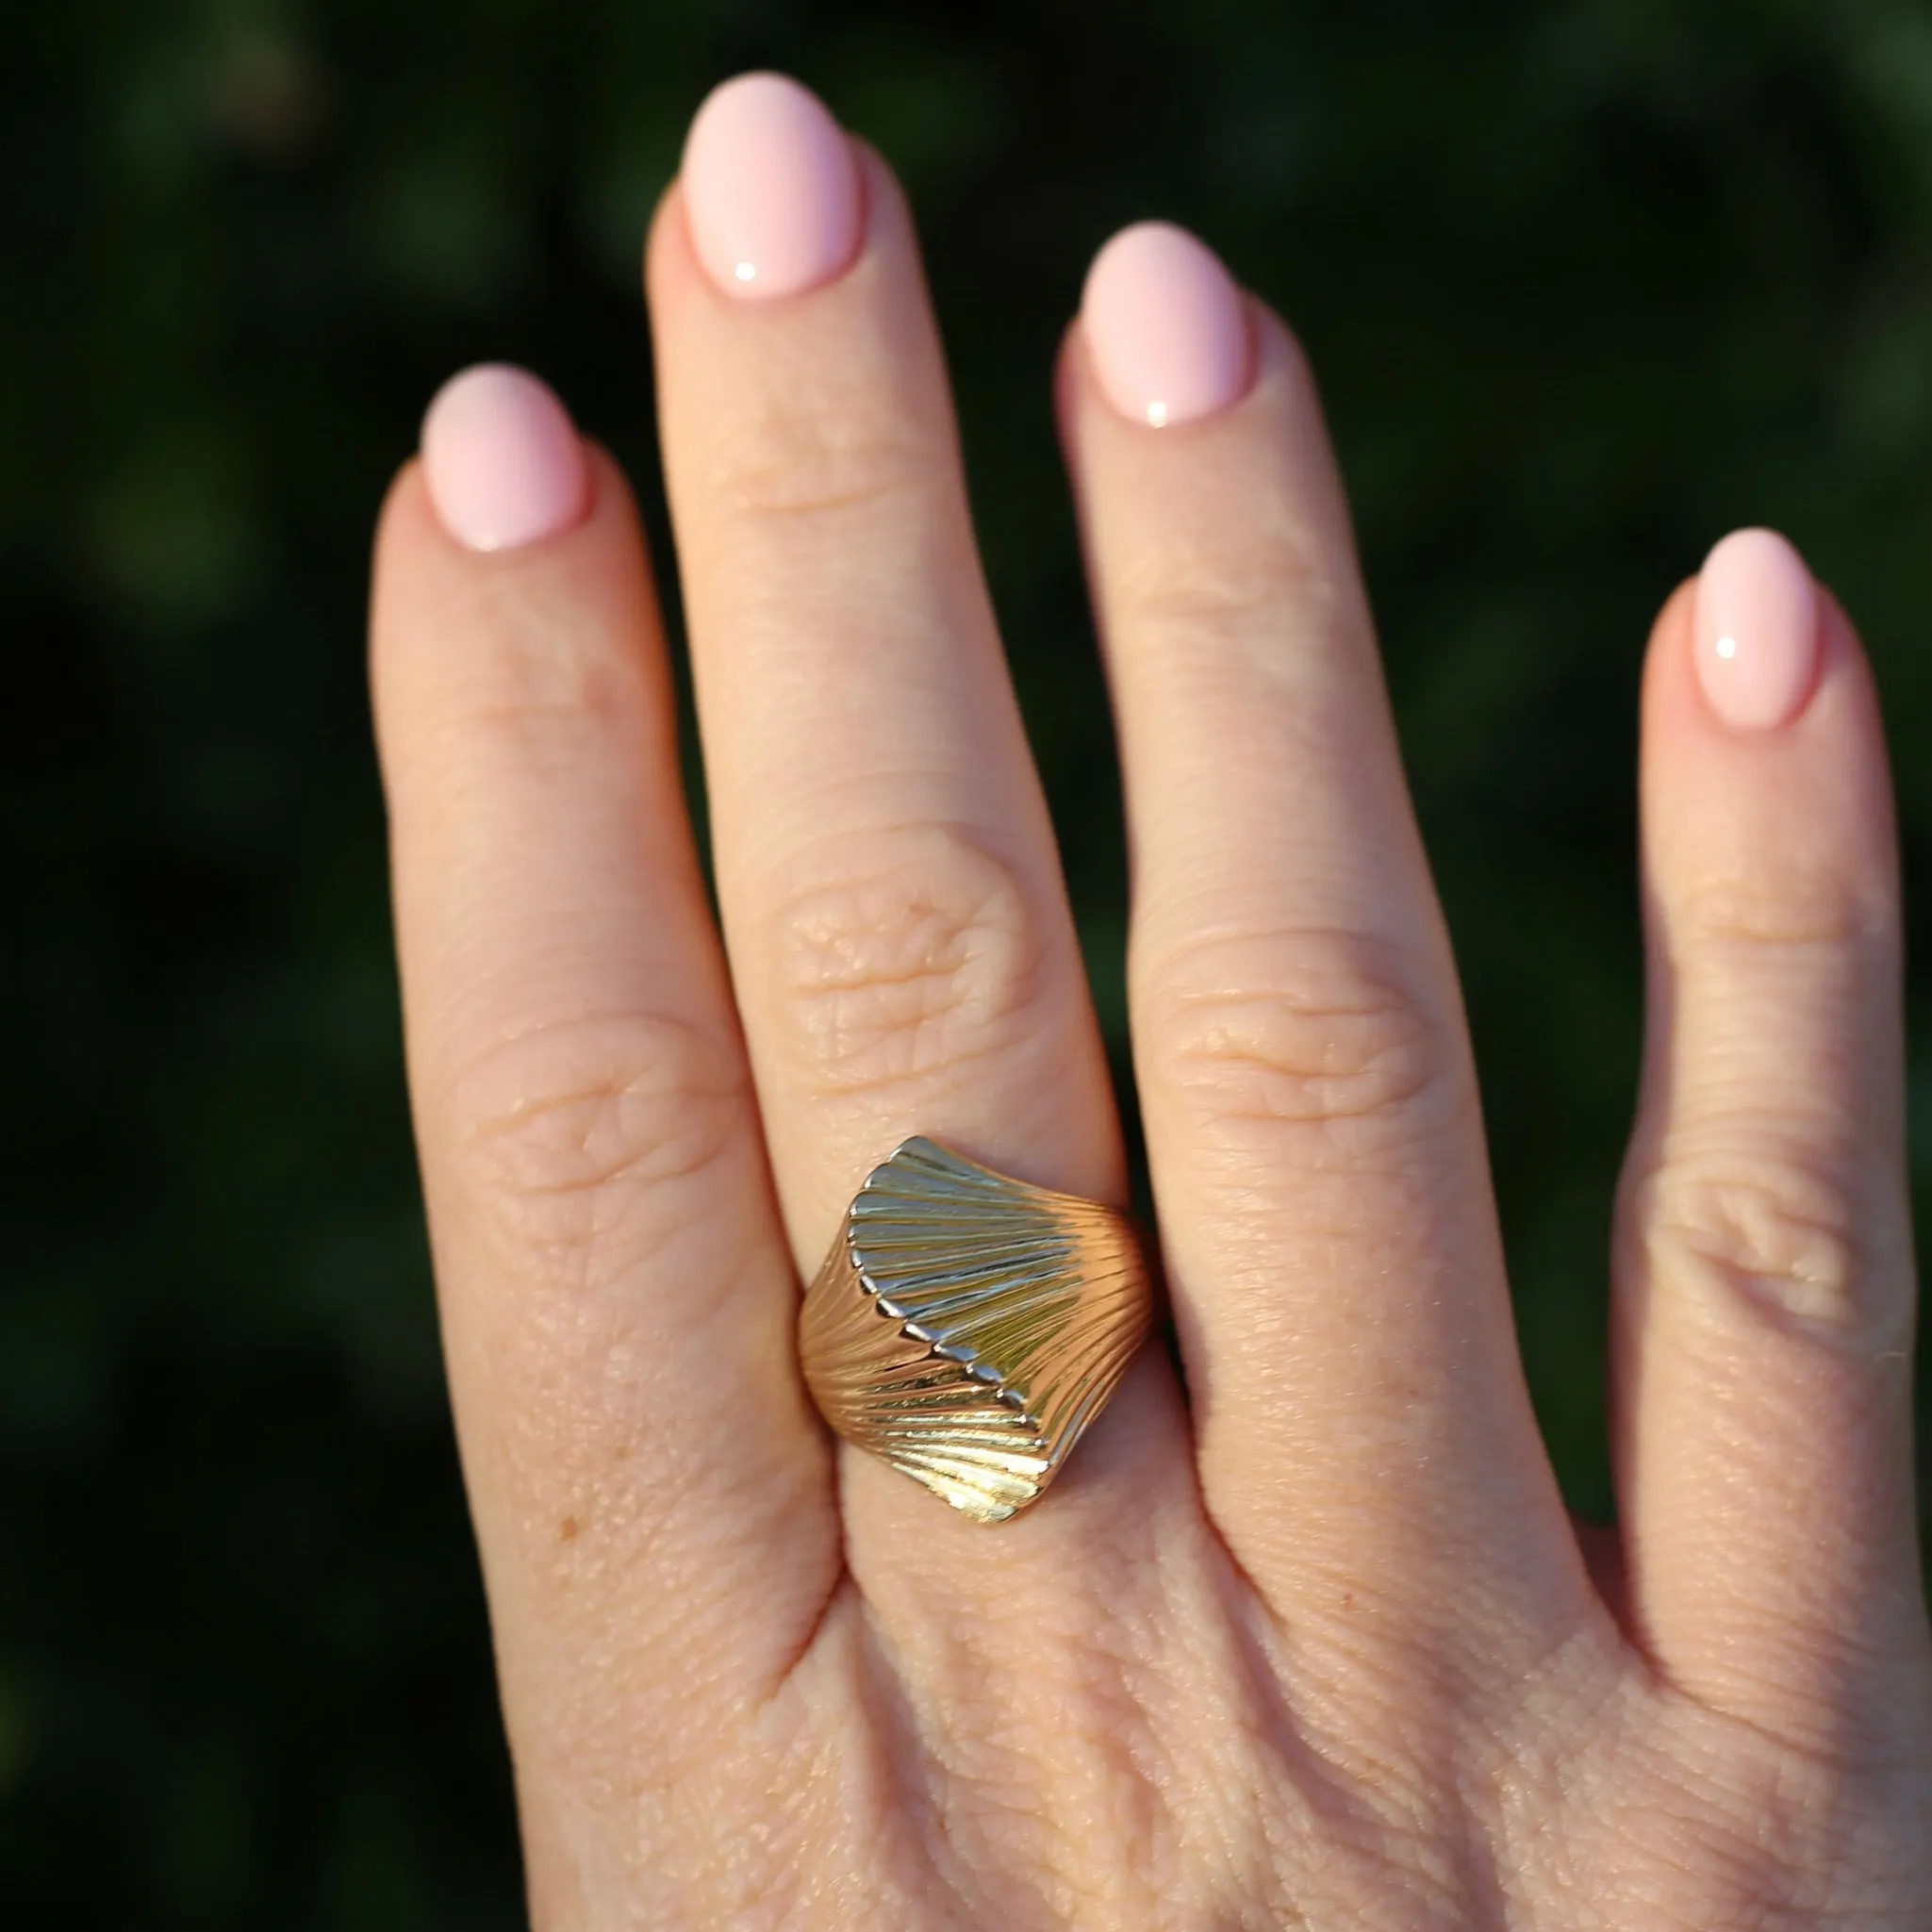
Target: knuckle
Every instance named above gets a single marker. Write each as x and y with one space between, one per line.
1850 1825
1776 1223
910 972
533 647
1222 581
541 680
1807 906
579 1142
791 463
1318 1033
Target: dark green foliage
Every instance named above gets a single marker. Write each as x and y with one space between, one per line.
1587 282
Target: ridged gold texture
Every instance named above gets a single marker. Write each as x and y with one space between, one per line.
966 1328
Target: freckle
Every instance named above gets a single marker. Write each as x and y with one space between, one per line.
568 1530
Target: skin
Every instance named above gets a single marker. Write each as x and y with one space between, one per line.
1313 1643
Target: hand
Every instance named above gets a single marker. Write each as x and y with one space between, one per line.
1313 1642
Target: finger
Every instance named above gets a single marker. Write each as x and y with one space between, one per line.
1764 1277
900 942
652 1499
1311 1106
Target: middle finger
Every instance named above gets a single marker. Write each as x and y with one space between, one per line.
901 947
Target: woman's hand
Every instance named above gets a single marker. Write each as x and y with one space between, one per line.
1315 1643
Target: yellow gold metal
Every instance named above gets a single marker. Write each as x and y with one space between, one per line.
967 1328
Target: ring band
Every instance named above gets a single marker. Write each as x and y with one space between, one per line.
967 1326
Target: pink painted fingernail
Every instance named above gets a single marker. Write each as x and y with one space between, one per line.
1165 325
771 188
1757 637
504 461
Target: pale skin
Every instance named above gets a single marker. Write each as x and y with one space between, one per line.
1304 1635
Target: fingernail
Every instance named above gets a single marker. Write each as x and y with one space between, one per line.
771 188
504 462
1757 637
1165 325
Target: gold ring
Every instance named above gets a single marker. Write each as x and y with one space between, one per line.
966 1328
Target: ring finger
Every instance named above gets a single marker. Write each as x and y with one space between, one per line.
1313 1122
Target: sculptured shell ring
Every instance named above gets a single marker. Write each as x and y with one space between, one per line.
967 1326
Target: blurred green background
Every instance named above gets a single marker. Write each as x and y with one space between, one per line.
1587 282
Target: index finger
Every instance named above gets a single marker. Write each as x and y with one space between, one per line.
651 1496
